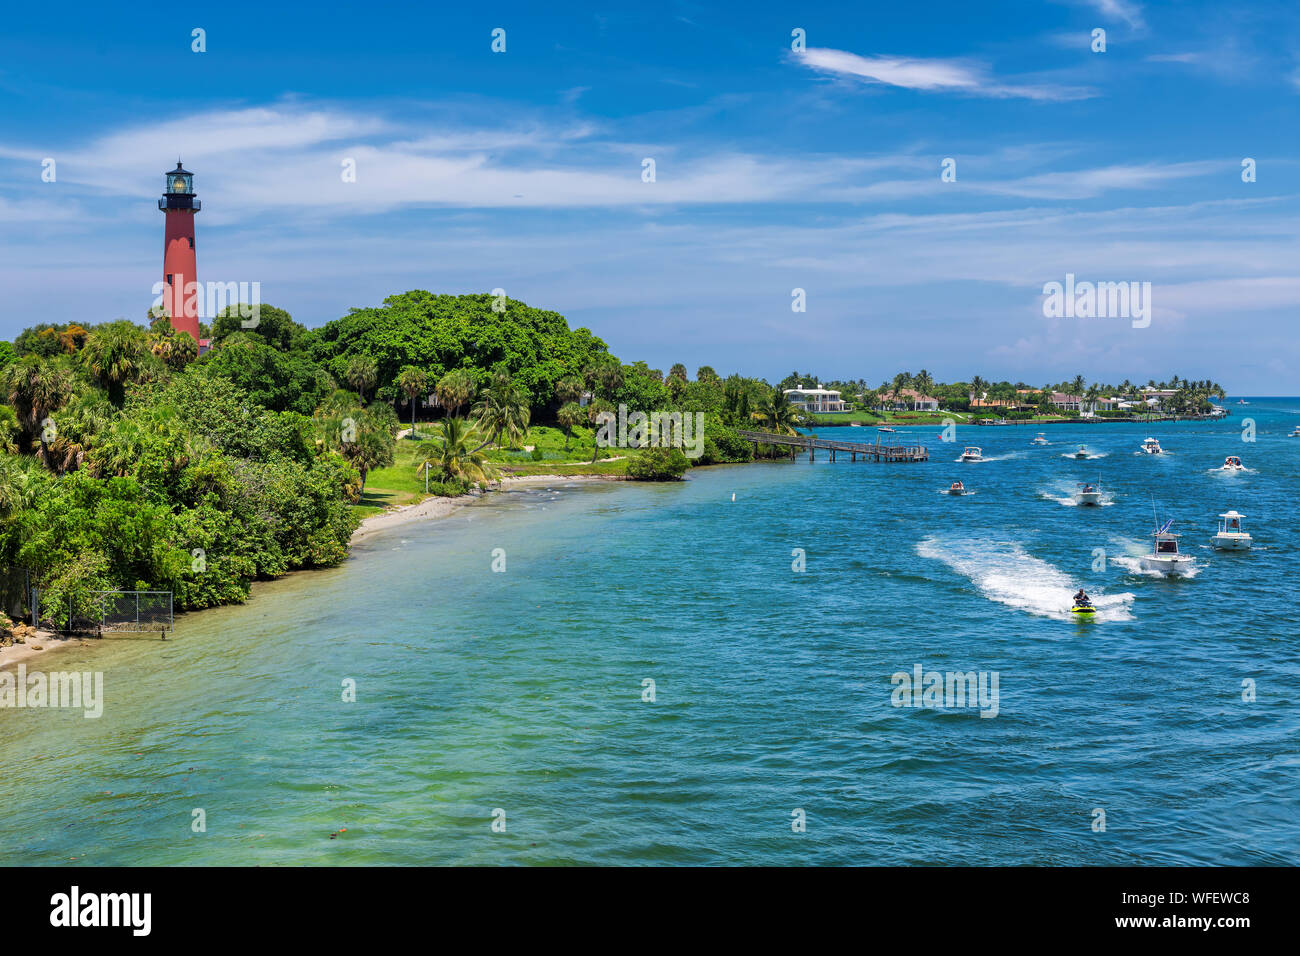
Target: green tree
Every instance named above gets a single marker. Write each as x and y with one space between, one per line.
452 455
569 415
117 354
413 382
456 389
361 373
502 409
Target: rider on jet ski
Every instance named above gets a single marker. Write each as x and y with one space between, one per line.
1082 600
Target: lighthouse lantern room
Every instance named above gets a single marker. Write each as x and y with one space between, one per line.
179 204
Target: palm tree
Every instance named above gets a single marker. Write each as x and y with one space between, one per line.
777 414
1076 387
569 389
117 354
923 382
452 457
605 374
455 389
36 389
977 388
1094 393
413 381
570 414
502 409
361 373
595 410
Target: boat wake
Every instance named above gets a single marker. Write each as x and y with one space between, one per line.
1065 493
1091 456
1222 472
1009 575
1008 456
1128 554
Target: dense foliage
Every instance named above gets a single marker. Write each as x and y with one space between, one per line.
128 461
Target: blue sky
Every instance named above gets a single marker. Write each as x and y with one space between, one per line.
775 170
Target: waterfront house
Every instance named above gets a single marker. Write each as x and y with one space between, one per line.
908 399
816 400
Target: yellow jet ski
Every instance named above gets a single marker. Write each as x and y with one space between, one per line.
1083 609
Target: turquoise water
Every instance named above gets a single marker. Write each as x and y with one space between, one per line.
523 690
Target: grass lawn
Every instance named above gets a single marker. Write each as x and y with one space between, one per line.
400 484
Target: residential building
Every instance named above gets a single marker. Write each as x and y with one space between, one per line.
816 400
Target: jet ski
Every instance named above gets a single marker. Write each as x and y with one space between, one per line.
1083 607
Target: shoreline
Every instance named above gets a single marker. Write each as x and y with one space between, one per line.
45 641
430 509
433 507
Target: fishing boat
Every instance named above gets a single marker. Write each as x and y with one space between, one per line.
1231 537
1081 453
1152 447
1233 463
1165 556
972 453
957 488
1089 494
1041 439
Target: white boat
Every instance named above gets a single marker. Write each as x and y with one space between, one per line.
957 489
1090 494
1040 440
1242 401
972 453
1152 447
1295 432
1081 453
1233 463
1230 536
885 428
1165 556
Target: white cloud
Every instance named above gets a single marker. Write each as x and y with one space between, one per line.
932 75
1130 13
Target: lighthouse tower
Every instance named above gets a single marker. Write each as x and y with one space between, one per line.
179 205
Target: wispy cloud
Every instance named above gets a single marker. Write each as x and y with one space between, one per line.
1130 13
933 75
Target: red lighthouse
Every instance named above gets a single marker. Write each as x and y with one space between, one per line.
182 296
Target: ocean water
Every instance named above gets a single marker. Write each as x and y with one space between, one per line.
522 691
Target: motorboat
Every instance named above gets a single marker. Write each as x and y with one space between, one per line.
1040 439
1233 463
1295 432
1165 556
957 488
1242 401
885 428
972 453
1081 453
1231 537
1152 447
1089 494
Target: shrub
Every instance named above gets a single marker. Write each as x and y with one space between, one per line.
658 464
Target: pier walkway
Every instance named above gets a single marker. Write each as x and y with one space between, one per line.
869 452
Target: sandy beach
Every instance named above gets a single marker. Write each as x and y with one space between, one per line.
41 643
434 508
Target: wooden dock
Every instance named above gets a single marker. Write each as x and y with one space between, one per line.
869 452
